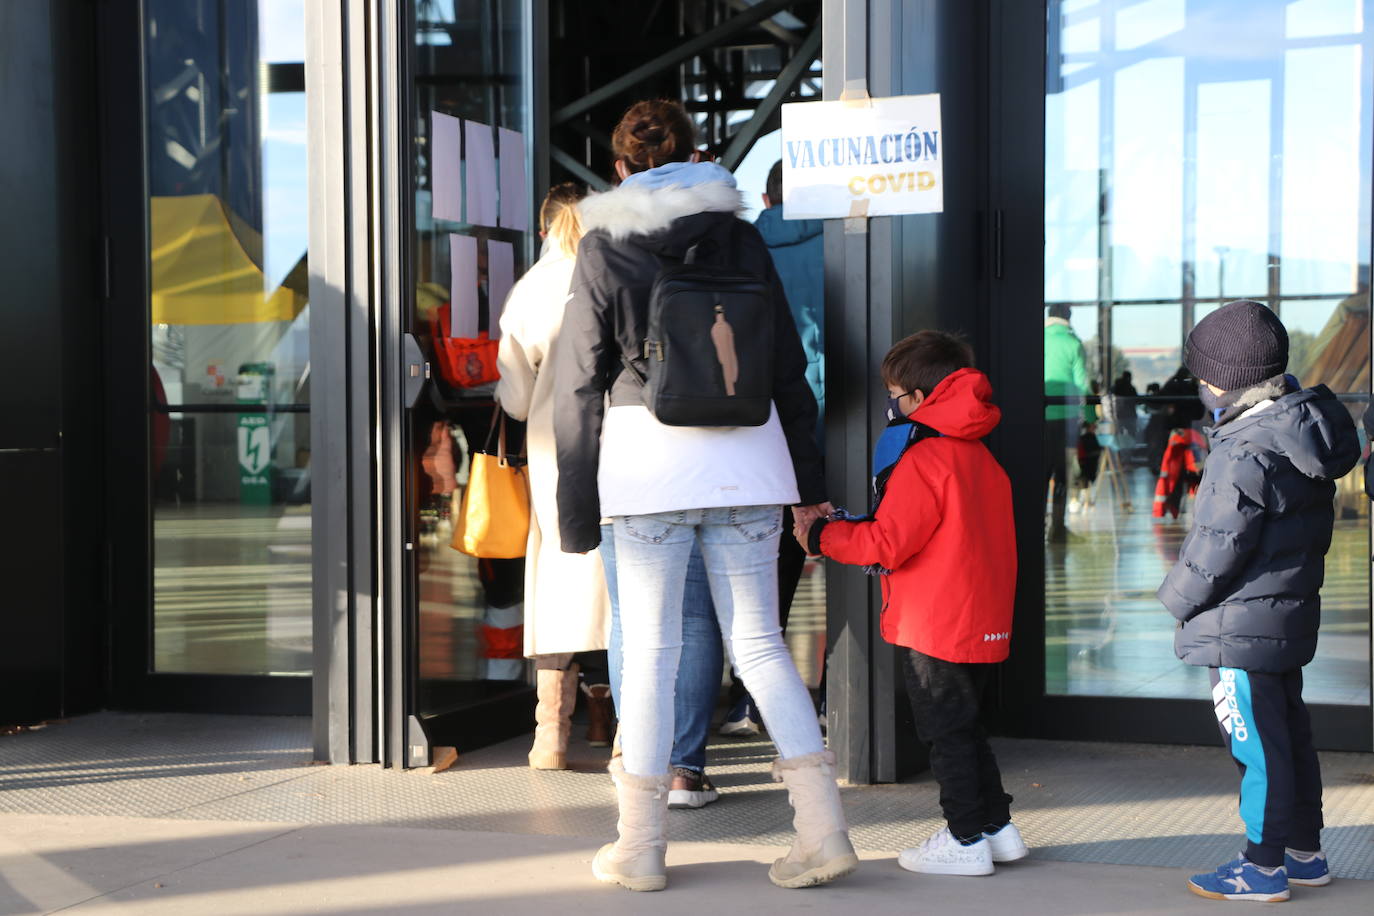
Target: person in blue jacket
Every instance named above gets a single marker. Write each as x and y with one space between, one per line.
1246 587
798 254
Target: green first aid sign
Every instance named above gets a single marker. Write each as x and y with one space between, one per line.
255 459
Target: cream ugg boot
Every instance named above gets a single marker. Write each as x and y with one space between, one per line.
557 693
822 851
636 860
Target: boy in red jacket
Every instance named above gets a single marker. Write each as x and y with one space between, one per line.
941 538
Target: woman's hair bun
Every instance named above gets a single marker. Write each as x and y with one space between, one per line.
652 133
649 132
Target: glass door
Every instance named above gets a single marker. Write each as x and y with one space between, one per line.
468 154
1197 151
221 365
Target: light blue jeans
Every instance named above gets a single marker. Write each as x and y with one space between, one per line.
703 660
740 548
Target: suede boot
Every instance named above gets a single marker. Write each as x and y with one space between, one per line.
557 692
600 714
822 851
636 860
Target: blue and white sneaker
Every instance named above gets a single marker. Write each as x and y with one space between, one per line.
742 721
1308 869
1242 879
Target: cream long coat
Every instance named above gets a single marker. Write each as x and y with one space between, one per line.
567 608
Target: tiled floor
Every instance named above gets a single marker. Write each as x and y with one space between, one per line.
233 596
1081 802
1107 634
232 589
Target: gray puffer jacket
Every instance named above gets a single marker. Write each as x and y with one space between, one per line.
1247 581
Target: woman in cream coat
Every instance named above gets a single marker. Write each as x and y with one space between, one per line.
567 608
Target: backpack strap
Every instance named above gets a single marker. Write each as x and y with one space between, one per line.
633 369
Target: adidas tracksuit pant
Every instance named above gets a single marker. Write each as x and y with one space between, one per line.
1265 725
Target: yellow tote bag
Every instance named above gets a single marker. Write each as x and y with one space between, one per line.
494 522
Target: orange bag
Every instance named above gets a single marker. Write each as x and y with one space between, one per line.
464 362
494 522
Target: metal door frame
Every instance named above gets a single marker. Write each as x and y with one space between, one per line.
1017 143
128 548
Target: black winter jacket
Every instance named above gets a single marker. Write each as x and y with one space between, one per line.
1246 585
607 316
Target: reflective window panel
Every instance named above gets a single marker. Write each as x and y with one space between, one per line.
470 144
229 328
1197 151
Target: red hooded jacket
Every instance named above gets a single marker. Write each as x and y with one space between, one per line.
944 527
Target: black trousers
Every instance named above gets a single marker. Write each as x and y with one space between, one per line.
1060 436
1265 725
945 700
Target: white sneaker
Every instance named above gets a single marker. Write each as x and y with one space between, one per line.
742 721
942 854
690 789
1006 844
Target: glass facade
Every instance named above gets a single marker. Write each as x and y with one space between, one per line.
1197 151
472 236
229 333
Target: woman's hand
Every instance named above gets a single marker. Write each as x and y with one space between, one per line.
804 517
811 513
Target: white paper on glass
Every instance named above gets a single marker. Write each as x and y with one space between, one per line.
841 159
481 174
515 207
500 279
463 281
445 166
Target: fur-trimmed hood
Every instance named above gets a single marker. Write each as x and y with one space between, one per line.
634 210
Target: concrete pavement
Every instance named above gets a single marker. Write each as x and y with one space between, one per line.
189 814
124 865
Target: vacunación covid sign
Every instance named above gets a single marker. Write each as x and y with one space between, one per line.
875 157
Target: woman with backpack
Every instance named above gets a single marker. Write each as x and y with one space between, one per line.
672 467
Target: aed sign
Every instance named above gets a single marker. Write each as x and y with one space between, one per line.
876 157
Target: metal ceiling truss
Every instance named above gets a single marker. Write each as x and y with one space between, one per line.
732 63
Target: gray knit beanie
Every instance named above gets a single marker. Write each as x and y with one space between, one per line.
1239 345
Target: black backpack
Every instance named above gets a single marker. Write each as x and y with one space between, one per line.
709 350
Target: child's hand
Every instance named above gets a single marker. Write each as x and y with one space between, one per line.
803 517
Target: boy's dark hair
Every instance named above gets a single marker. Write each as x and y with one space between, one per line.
774 187
921 361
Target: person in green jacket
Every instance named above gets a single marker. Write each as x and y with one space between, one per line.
1066 375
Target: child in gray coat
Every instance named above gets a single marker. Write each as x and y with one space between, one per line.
1246 585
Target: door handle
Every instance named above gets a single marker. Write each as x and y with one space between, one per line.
416 371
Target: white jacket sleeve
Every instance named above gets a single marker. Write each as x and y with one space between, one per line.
517 366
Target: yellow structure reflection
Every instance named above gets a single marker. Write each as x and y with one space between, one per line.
201 271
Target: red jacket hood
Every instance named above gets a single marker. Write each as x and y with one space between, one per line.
960 406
